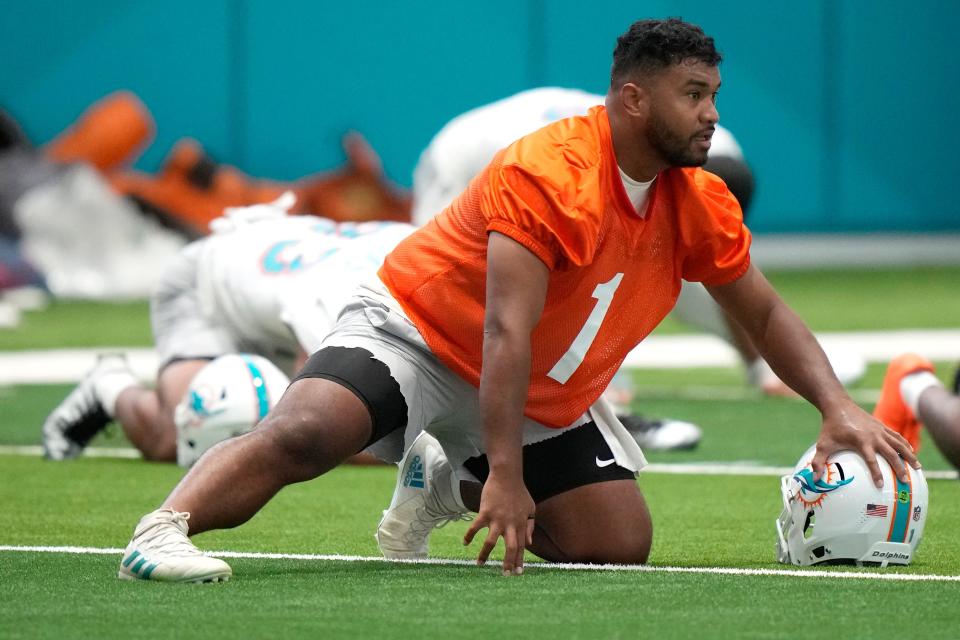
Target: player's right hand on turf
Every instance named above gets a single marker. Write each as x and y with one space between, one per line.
506 510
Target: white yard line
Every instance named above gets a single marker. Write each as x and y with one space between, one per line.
792 251
55 366
35 451
741 468
533 566
700 350
748 468
65 366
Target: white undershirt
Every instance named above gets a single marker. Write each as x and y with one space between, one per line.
636 192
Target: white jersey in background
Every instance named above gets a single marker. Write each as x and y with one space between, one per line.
277 282
466 144
263 287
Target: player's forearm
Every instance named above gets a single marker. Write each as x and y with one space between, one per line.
796 357
503 392
516 293
782 339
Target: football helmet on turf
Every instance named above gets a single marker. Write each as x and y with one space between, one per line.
844 518
226 398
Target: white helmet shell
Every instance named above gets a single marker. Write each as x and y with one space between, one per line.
226 398
844 518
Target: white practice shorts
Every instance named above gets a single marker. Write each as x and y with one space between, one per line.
437 399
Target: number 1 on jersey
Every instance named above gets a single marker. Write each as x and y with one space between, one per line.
571 360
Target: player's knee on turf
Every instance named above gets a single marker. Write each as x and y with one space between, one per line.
632 548
602 523
624 545
588 509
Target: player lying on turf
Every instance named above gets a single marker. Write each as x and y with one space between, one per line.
466 144
264 283
912 397
497 326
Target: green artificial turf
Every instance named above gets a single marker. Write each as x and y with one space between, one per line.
700 521
66 324
873 299
859 299
81 599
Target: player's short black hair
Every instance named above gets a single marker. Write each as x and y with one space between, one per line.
649 46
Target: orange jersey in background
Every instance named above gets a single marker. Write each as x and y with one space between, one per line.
614 275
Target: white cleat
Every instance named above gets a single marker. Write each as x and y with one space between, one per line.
160 550
848 366
73 424
662 435
427 496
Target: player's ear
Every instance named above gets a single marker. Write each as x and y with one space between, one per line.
634 99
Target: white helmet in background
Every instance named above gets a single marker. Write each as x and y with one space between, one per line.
226 398
844 518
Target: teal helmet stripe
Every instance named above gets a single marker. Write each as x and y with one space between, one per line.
259 385
902 509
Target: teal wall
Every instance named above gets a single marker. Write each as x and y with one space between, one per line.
845 108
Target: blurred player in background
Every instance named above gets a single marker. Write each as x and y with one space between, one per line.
263 283
498 325
466 144
912 397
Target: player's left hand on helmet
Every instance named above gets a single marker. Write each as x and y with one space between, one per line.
851 428
506 510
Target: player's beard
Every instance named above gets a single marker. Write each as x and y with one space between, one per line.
676 149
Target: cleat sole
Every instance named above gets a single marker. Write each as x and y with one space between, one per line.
121 575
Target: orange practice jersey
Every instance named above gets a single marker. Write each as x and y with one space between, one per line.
613 275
